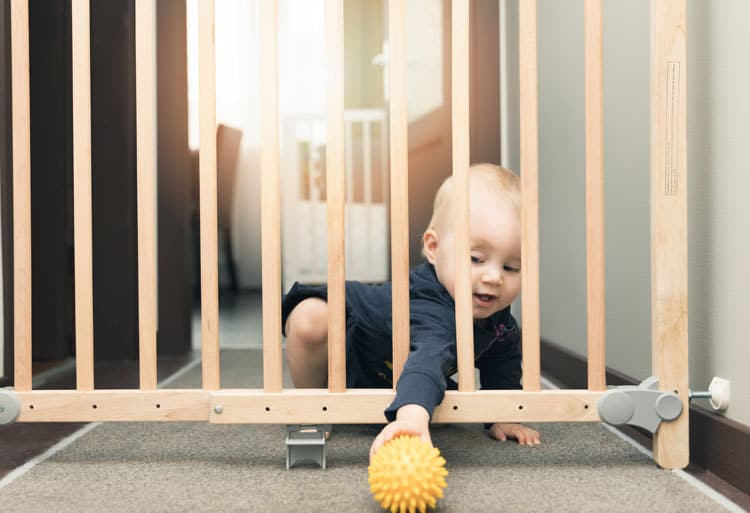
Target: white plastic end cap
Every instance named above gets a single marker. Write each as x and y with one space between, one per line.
720 392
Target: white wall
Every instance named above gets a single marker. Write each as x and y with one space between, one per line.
301 90
719 239
719 243
237 69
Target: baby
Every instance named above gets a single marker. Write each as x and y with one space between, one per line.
495 237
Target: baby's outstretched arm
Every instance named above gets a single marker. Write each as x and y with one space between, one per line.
411 419
525 435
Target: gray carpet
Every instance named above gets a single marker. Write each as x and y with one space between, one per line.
198 467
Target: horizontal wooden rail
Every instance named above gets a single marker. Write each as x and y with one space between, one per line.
113 405
254 406
367 405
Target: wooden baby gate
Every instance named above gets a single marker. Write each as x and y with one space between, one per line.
273 403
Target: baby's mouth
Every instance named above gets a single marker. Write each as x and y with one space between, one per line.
484 299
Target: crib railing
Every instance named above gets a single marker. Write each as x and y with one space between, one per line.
303 145
273 403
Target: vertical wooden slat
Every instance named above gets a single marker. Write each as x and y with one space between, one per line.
270 197
529 133
335 188
460 137
84 307
669 278
349 152
19 29
367 163
367 200
384 162
595 292
145 97
349 181
312 188
399 149
208 200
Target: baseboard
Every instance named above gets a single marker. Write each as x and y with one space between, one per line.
719 445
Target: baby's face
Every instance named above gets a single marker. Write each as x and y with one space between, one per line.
495 238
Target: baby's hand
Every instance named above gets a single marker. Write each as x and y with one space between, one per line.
411 419
524 435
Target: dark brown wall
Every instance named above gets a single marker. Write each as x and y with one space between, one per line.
485 82
115 186
113 162
175 248
49 62
51 179
113 180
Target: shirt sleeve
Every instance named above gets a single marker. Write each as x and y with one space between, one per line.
432 353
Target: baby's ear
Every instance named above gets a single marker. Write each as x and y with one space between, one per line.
430 245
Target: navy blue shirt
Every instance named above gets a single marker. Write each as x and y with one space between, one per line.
432 352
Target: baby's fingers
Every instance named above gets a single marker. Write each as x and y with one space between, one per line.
528 436
498 433
384 436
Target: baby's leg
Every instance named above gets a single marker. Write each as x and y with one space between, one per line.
307 343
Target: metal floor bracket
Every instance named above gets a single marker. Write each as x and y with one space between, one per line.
306 443
10 406
643 405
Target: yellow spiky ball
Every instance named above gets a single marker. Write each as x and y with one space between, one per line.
407 475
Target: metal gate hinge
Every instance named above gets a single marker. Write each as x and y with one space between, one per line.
10 407
643 405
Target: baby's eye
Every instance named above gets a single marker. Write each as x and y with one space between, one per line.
476 260
511 269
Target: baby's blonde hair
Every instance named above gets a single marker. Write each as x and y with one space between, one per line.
503 180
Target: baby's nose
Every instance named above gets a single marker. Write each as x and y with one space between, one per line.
493 276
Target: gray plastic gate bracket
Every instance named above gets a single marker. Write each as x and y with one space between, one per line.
10 407
306 443
644 405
